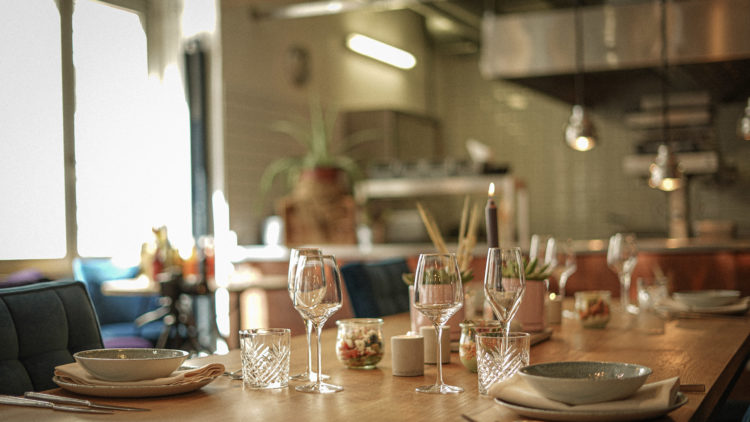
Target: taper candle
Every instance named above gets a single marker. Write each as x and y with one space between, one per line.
490 215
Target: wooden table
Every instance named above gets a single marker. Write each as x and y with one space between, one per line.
699 351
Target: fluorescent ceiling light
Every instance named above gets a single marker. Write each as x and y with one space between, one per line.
380 51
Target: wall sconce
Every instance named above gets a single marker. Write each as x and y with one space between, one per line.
380 51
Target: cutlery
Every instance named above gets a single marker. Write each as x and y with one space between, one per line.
20 401
80 402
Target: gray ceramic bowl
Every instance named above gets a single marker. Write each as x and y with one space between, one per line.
130 364
585 382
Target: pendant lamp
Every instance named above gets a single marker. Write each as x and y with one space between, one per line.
580 133
665 172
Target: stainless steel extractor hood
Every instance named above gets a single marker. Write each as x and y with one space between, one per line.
708 48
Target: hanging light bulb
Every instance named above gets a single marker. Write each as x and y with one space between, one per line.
744 123
580 133
665 172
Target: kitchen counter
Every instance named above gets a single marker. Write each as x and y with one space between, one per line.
382 251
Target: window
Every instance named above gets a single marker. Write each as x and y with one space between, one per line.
32 215
130 137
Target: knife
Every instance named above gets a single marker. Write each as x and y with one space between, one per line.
20 401
81 402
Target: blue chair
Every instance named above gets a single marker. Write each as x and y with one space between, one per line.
118 314
41 326
376 288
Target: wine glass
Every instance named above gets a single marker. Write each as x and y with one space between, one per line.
294 255
622 255
438 294
542 248
317 295
504 283
566 262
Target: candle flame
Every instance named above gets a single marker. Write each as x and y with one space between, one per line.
491 190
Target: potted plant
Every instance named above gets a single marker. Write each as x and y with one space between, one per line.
320 208
531 312
321 160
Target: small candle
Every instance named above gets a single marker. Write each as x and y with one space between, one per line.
407 355
430 344
490 214
554 310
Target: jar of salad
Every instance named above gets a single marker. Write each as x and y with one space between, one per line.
593 308
467 349
359 343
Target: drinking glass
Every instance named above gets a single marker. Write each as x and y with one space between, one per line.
504 283
542 248
317 295
566 262
438 294
622 255
294 254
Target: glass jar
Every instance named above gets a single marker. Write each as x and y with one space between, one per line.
593 308
359 342
467 351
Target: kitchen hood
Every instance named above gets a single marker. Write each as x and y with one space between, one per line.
708 49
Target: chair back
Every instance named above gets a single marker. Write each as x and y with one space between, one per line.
41 326
376 288
93 272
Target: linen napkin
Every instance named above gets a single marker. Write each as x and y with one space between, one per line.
656 395
74 373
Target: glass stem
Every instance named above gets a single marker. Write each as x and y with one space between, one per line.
318 330
563 282
625 291
439 346
309 327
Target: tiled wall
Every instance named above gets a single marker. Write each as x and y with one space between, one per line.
579 194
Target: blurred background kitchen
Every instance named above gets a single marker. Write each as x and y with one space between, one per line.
126 115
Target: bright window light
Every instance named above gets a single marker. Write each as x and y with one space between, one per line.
132 165
380 51
32 217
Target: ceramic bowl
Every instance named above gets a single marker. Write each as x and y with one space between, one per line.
707 298
585 382
130 364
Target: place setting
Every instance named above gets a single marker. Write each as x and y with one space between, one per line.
588 391
705 302
138 372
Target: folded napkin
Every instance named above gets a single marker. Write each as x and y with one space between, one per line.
74 373
657 395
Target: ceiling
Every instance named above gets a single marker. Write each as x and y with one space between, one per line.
455 28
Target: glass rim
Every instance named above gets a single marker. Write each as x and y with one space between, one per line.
256 331
361 321
512 334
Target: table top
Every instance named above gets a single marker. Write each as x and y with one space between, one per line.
706 351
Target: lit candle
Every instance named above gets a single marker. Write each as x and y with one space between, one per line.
490 214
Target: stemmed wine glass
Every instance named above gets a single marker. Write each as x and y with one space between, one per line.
504 283
294 255
542 248
317 295
438 294
622 255
566 262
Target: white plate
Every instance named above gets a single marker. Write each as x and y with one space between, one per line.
593 416
738 308
707 298
132 390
